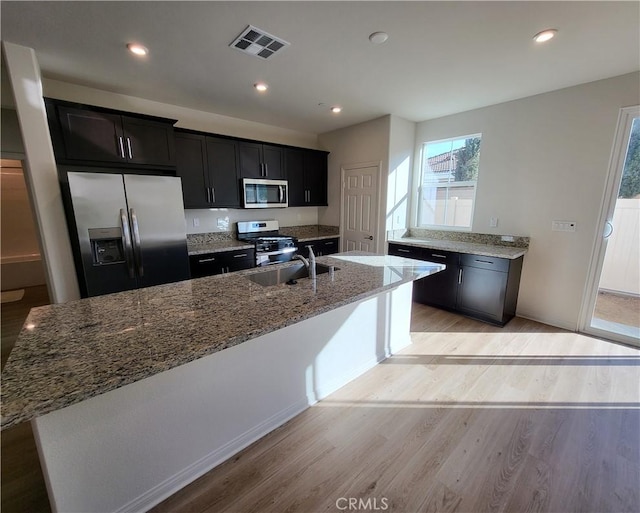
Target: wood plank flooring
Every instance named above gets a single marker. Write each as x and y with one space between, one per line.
469 418
23 489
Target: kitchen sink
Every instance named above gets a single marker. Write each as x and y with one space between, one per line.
289 275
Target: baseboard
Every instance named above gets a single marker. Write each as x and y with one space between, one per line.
556 323
178 481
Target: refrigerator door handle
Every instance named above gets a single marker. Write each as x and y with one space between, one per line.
126 242
121 143
137 250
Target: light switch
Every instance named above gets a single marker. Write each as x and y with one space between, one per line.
196 222
564 226
493 222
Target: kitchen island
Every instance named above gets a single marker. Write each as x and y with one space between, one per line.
133 395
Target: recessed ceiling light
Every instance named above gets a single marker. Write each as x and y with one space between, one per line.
138 49
336 109
377 38
261 87
545 35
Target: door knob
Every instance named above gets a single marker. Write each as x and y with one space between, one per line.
370 237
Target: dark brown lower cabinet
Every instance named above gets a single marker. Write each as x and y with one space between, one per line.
485 288
222 262
320 247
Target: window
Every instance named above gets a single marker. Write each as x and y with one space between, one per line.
448 185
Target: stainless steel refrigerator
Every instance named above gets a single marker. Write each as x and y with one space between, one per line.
130 231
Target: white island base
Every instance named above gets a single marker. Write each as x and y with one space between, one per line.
130 448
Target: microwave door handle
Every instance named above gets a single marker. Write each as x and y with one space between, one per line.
126 242
281 196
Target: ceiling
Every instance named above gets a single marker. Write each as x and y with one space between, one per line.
440 58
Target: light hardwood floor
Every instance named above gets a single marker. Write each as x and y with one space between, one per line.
469 418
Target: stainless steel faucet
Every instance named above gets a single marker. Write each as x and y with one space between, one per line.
312 264
304 260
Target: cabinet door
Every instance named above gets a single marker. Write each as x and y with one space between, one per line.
315 174
222 162
481 293
327 246
439 289
238 260
205 265
191 167
273 161
250 160
148 142
91 136
294 166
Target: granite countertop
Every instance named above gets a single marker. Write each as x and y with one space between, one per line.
474 248
216 246
69 352
217 242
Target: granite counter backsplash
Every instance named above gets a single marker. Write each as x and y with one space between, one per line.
70 352
311 231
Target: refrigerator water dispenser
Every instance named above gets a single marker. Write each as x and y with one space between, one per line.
106 246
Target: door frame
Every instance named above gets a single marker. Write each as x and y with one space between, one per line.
360 165
607 207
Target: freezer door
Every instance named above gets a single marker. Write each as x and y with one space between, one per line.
158 228
100 213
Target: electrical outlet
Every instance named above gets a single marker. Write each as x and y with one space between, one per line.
223 223
507 238
493 222
196 222
563 226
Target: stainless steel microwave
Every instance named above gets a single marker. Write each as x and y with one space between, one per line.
259 193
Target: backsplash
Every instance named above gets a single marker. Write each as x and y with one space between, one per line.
477 238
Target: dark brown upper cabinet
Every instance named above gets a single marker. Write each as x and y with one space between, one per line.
208 169
95 136
307 177
261 161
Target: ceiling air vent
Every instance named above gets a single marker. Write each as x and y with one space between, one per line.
257 42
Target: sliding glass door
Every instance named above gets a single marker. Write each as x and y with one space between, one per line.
612 304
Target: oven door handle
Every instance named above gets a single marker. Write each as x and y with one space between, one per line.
278 252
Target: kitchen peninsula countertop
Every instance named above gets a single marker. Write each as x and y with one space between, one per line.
70 352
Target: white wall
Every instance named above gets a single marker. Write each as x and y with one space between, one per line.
365 142
402 139
543 158
41 173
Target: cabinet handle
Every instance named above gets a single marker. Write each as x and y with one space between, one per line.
121 143
213 194
329 243
261 169
484 261
208 198
129 148
240 256
460 276
402 250
266 169
436 255
204 260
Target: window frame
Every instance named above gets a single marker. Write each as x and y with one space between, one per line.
447 186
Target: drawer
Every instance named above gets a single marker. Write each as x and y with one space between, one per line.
406 251
441 257
485 262
328 246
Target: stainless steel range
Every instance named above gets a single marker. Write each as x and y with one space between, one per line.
272 247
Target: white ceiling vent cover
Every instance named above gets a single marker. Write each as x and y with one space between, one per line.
257 42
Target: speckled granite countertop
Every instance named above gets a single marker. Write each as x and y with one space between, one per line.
462 242
69 352
202 243
463 247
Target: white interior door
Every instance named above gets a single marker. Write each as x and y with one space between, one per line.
360 207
